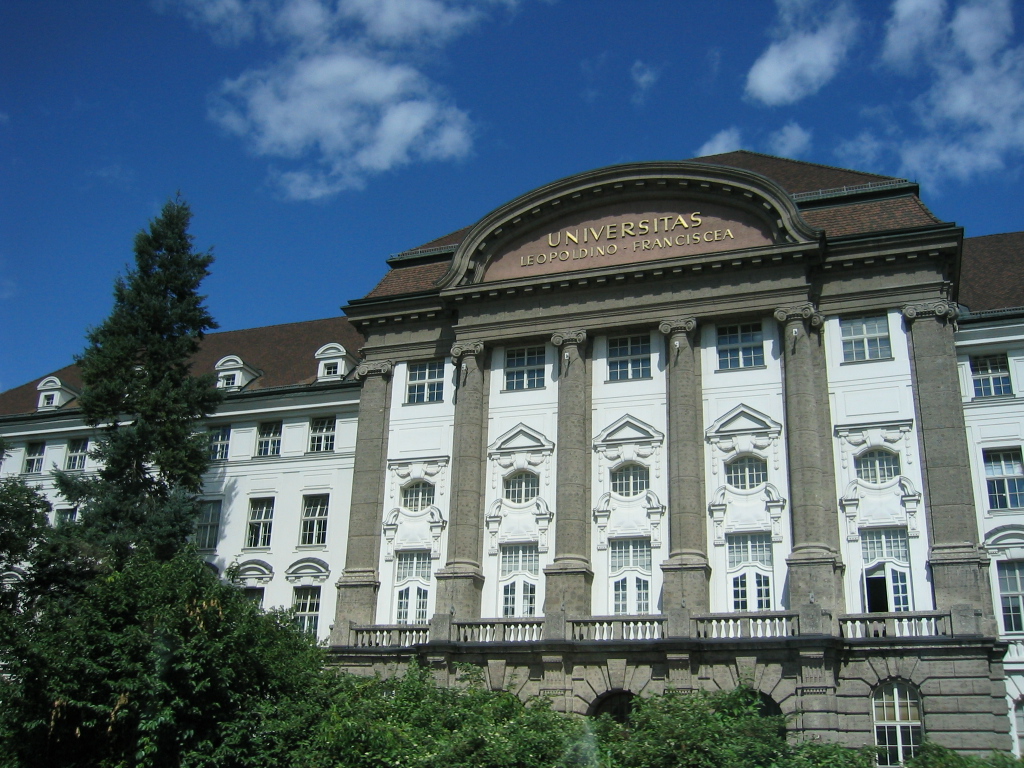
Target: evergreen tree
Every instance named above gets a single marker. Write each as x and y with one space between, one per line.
138 388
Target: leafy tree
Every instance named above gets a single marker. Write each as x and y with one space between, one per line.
139 389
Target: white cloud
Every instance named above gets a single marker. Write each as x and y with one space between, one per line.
912 28
790 141
807 56
864 151
346 100
726 140
644 77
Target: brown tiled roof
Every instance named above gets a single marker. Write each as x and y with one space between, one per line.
992 272
901 212
452 238
410 279
794 176
283 353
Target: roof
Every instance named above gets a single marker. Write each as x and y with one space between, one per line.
794 176
992 272
284 355
904 212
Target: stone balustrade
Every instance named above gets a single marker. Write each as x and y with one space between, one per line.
860 626
744 625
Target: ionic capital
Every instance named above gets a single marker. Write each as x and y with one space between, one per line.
800 312
462 348
939 308
678 325
375 368
568 337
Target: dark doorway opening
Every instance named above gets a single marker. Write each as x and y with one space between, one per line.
616 704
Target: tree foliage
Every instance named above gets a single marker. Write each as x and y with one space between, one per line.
138 387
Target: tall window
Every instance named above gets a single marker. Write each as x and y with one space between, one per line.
268 441
750 571
78 450
417 496
412 579
34 458
306 604
314 520
426 382
877 466
1004 473
991 375
1011 594
630 569
746 472
521 487
208 525
65 516
261 521
220 440
865 338
886 569
520 566
630 480
524 368
321 435
897 716
740 346
629 357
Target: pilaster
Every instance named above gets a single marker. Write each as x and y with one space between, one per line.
358 585
687 571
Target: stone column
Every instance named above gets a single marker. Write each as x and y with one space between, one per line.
814 565
358 585
461 580
569 578
687 571
959 568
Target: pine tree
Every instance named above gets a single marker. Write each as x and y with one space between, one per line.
139 389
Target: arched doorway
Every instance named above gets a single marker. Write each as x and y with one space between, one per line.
617 704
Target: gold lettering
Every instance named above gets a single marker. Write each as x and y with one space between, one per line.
680 221
718 235
599 251
596 233
728 233
681 239
665 219
613 231
644 227
695 218
655 220
541 258
554 241
708 236
573 236
647 245
612 249
627 228
563 256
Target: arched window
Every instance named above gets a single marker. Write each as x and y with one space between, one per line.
886 554
746 472
629 565
897 714
522 487
630 480
417 496
412 585
877 466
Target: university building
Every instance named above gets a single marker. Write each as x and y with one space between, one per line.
676 425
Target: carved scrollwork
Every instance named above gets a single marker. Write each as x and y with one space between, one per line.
800 312
463 348
678 325
375 368
938 308
568 337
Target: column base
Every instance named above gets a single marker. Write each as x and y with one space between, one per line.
960 576
686 583
567 588
816 578
459 589
356 603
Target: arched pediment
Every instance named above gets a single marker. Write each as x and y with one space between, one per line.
330 350
311 570
744 420
628 429
627 214
1006 537
521 439
253 572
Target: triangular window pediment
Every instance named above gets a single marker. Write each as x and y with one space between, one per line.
744 420
628 429
521 439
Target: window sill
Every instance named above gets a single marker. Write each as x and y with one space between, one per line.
255 549
425 402
317 453
523 389
309 547
633 378
869 360
1002 512
990 398
742 368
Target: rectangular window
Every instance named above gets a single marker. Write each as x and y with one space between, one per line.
524 368
749 548
261 520
991 375
255 594
1011 594
621 596
739 592
78 450
268 441
529 607
762 592
762 584
220 439
208 525
630 553
413 565
884 543
508 600
314 520
643 595
306 604
629 357
321 435
740 346
426 382
865 338
1004 473
420 608
65 516
34 458
520 558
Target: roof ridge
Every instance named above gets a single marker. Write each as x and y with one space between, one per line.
995 234
280 325
802 162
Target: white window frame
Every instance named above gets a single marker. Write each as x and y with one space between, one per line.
630 480
990 375
865 338
208 524
322 431
521 487
750 571
268 439
220 443
740 345
877 466
519 570
629 357
524 367
78 452
418 495
746 472
1011 594
1004 478
65 515
313 530
885 553
425 382
413 572
306 608
35 453
896 713
630 575
260 524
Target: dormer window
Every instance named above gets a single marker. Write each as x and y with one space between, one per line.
233 373
53 393
334 362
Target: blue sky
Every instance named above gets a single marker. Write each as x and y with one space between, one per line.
313 138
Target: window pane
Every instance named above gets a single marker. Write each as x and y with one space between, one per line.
877 466
630 480
521 487
629 357
746 472
417 496
740 346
